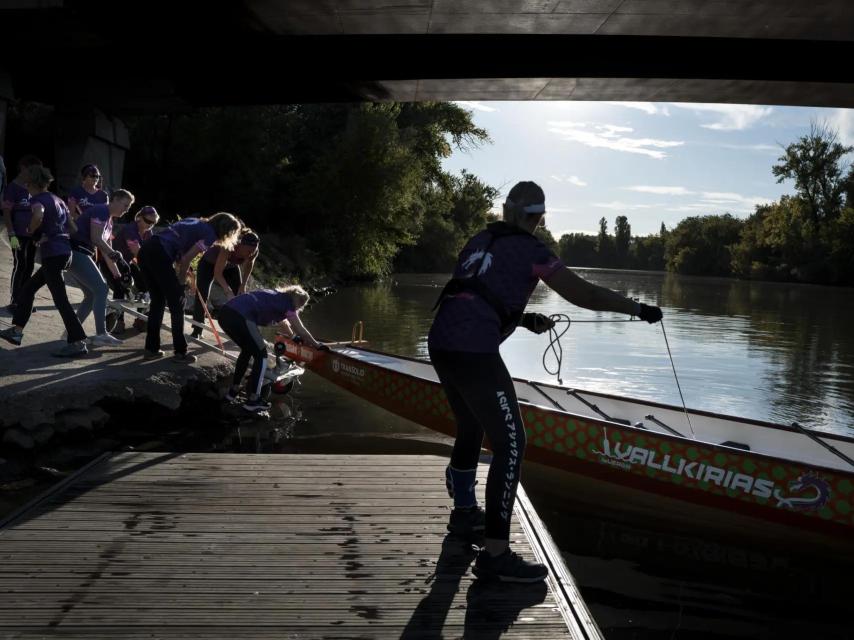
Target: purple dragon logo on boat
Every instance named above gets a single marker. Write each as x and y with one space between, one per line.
820 493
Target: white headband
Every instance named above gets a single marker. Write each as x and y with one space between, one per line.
535 208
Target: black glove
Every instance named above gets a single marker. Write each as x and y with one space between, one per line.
322 347
649 313
536 322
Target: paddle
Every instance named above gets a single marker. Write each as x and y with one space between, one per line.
831 448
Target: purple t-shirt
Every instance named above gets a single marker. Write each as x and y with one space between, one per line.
97 214
263 306
85 200
510 269
18 198
128 234
177 239
54 227
213 253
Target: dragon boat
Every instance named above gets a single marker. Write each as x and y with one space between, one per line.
710 467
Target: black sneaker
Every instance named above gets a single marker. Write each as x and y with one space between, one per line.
71 350
196 333
12 335
468 523
508 567
184 358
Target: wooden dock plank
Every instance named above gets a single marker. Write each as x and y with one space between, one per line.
262 546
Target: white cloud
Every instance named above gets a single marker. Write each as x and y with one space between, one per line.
843 120
667 191
752 147
607 136
578 182
477 106
730 117
717 201
622 206
650 108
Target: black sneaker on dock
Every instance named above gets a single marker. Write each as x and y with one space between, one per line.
12 335
508 567
468 523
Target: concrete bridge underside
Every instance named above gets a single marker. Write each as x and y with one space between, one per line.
98 61
148 56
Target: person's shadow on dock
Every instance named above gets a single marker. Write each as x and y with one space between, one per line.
491 608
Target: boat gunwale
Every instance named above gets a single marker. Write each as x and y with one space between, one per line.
650 403
619 425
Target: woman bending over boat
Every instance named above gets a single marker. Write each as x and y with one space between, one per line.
479 308
240 318
179 243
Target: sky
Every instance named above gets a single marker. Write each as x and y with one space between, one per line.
653 162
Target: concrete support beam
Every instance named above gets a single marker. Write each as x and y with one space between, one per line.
89 137
6 95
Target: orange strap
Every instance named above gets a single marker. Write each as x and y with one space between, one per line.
210 321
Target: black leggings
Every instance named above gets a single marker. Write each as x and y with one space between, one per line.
50 274
23 263
159 272
204 278
246 335
483 399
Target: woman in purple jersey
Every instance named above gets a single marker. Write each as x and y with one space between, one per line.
179 243
240 318
479 308
229 269
16 215
93 231
88 193
50 217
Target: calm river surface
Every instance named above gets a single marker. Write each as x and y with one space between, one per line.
773 352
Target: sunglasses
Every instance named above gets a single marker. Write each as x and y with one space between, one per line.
147 221
97 176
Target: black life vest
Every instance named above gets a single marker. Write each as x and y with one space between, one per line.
509 319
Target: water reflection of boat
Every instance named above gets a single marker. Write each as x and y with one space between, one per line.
639 456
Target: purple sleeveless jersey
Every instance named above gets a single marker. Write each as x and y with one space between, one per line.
18 198
510 269
263 306
54 227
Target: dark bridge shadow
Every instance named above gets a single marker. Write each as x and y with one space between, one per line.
491 608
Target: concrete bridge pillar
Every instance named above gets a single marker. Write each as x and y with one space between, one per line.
5 97
89 137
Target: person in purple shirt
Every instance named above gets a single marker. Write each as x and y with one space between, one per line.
128 238
179 243
15 203
88 193
50 217
240 318
229 269
480 307
93 230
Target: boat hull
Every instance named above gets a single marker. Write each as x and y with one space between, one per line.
724 479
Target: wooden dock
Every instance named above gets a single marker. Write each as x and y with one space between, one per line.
157 545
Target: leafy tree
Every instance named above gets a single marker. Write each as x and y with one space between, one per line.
622 238
578 250
815 163
701 245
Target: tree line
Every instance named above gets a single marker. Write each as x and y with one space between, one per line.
804 237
